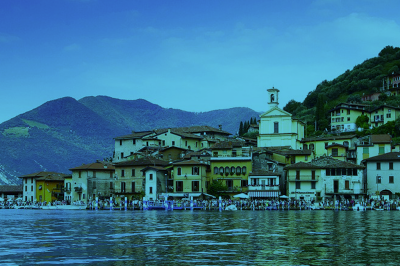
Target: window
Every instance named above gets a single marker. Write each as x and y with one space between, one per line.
391 179
276 127
94 184
388 115
195 170
173 143
133 187
40 187
122 155
31 188
313 184
229 184
244 169
122 172
227 170
195 186
179 172
297 175
134 141
298 185
133 172
381 150
151 190
215 170
111 174
348 111
221 170
232 170
80 174
244 183
305 158
390 165
123 186
26 180
335 152
378 179
378 166
111 185
348 119
179 186
94 174
186 143
312 147
347 184
342 119
238 170
313 174
120 142
151 177
365 150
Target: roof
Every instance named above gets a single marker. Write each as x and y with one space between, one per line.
324 162
172 147
194 129
329 138
146 161
157 168
383 138
135 135
294 152
390 156
336 145
384 105
352 106
95 166
263 173
189 162
45 175
11 188
227 145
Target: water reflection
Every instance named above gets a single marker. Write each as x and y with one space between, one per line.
203 238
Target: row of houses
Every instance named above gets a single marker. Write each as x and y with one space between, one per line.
194 161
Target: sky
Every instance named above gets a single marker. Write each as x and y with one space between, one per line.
191 55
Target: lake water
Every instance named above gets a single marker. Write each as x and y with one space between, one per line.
199 238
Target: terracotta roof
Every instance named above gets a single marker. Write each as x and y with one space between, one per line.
197 154
390 156
135 135
263 173
157 168
383 138
95 166
44 175
11 188
193 129
384 105
336 145
227 145
172 147
329 138
324 162
294 152
142 161
190 162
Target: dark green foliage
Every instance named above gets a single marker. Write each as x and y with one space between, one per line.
216 188
362 121
355 98
292 106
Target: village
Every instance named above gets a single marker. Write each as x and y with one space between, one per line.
202 162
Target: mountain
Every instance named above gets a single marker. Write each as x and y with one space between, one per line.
66 133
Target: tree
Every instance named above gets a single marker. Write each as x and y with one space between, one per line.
291 106
241 129
216 188
362 121
355 98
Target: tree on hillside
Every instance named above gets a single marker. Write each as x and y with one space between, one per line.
355 98
291 106
216 188
320 115
362 121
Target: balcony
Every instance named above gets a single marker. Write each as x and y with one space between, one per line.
262 188
344 191
306 178
78 189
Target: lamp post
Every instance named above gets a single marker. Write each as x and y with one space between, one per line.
378 180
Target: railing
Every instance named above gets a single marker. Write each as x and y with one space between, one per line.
78 189
345 191
261 187
303 178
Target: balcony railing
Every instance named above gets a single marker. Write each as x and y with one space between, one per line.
303 178
345 191
78 189
261 187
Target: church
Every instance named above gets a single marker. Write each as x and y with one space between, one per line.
277 128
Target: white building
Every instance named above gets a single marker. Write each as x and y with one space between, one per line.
277 128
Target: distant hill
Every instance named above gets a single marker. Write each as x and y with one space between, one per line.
65 133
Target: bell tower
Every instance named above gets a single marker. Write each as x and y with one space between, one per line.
273 97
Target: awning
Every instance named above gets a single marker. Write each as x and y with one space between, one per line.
264 194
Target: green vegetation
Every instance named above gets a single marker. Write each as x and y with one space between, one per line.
244 127
35 124
16 132
216 188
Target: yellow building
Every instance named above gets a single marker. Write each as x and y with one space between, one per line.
43 187
319 144
383 114
189 179
232 171
344 116
130 178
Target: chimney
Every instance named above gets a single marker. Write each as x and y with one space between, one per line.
220 127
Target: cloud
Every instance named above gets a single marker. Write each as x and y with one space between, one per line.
72 47
5 38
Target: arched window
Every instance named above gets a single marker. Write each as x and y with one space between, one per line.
244 169
346 143
215 170
232 170
179 171
238 170
227 170
221 170
312 147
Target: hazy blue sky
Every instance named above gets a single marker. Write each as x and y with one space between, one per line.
190 55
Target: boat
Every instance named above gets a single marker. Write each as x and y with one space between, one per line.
231 208
64 207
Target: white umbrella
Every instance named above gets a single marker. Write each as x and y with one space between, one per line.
241 196
1 199
284 197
